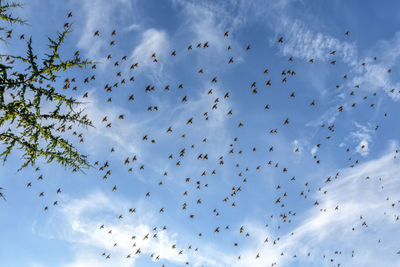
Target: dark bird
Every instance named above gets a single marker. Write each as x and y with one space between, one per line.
286 121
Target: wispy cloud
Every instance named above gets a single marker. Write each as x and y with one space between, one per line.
361 194
155 42
78 223
363 136
99 15
304 43
119 135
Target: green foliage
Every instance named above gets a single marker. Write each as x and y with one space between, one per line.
24 125
8 17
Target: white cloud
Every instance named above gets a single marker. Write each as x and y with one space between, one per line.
374 75
299 146
153 41
98 15
88 258
207 21
303 43
119 135
133 27
314 150
78 223
359 191
363 136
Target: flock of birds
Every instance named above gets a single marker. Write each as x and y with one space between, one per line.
229 198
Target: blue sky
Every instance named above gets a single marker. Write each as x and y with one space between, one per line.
363 184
